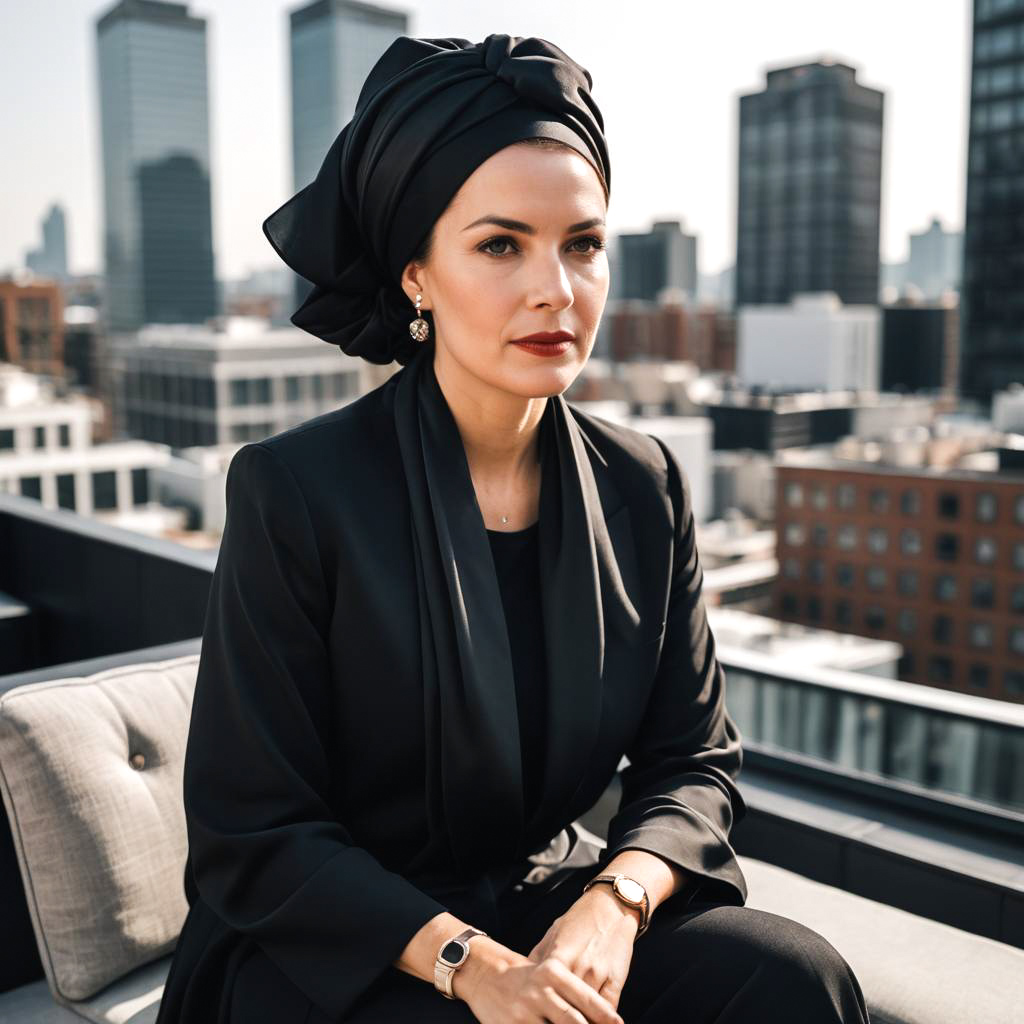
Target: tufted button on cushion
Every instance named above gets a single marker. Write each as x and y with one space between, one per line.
101 850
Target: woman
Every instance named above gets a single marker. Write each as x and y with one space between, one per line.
442 613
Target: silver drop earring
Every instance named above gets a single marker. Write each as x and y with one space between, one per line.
419 328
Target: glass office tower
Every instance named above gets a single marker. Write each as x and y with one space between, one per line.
334 44
157 237
992 299
810 185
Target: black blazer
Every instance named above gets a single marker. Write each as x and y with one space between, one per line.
304 781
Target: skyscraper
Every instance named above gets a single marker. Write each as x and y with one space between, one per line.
334 44
51 259
992 296
810 175
650 261
157 238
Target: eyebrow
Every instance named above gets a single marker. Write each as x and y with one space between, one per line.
527 229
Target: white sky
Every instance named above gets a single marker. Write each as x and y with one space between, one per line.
666 76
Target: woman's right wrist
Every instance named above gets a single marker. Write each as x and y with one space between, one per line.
486 957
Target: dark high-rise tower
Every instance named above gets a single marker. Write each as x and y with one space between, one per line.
810 180
157 238
992 297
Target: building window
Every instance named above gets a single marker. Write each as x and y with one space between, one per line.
32 487
104 489
979 634
878 540
985 551
1017 640
846 496
794 495
879 501
985 507
940 669
874 617
819 535
261 390
814 608
983 592
949 505
906 620
816 570
819 497
40 437
947 547
945 588
66 491
910 503
1013 683
1018 510
6 439
239 392
907 582
340 385
140 485
844 574
1017 599
789 604
1018 556
978 676
64 435
844 613
942 629
876 577
318 386
910 541
795 534
791 568
292 388
846 537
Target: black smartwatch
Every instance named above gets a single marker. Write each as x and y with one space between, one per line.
451 956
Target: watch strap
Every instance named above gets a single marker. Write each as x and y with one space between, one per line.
445 972
644 907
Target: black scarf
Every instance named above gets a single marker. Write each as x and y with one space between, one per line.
474 779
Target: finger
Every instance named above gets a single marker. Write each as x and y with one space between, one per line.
611 990
555 1010
582 997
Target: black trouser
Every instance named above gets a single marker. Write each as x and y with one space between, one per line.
698 963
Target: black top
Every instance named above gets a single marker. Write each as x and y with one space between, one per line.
516 560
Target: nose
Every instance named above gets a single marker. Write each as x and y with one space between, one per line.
550 286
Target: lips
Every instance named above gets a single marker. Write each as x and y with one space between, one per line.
546 336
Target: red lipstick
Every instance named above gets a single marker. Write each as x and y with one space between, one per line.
546 343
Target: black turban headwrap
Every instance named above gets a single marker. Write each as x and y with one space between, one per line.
429 113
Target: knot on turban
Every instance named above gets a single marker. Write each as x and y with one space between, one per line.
429 113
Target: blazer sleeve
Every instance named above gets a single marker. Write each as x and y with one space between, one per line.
679 796
269 855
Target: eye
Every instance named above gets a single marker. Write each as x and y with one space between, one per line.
596 244
499 240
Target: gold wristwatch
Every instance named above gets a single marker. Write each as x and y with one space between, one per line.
631 892
450 957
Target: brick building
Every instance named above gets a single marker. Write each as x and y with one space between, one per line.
933 559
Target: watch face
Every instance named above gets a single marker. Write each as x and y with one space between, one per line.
454 953
630 890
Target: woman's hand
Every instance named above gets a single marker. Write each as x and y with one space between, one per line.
594 939
505 987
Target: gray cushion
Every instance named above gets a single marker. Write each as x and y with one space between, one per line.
912 970
91 774
134 999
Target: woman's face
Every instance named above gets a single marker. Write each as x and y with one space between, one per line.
519 250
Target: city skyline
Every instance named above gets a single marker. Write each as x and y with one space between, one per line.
656 177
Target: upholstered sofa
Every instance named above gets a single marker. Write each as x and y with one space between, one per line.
90 771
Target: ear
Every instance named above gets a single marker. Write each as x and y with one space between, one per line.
413 283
